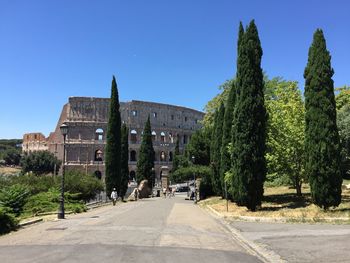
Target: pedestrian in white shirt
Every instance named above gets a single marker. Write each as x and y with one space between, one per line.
114 196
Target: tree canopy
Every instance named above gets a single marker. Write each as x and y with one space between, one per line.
286 125
40 162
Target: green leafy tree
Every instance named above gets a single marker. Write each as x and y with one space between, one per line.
343 97
286 126
249 129
124 160
343 122
199 147
12 156
214 104
13 144
145 162
187 173
322 146
113 146
215 149
40 162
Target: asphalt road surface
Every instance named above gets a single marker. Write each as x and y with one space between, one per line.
299 242
151 230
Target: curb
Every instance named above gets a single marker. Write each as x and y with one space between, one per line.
94 205
262 253
30 222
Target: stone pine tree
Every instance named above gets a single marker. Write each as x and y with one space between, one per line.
249 165
225 162
113 149
124 160
145 162
215 155
322 146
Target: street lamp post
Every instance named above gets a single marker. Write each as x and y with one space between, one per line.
64 131
153 181
194 181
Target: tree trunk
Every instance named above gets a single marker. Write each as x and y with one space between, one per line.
298 184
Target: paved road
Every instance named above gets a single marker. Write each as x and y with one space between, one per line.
153 230
300 242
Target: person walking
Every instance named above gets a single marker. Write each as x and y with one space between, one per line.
114 196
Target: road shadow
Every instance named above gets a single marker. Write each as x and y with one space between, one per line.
281 201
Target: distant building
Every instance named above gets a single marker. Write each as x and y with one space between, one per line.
35 141
87 120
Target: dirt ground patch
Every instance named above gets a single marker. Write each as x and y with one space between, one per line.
9 170
283 203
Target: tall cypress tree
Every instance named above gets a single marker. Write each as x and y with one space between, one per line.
238 85
249 165
112 160
124 160
322 146
216 149
225 162
145 162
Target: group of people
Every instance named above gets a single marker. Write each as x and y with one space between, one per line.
169 192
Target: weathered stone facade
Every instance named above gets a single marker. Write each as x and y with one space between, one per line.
35 141
87 120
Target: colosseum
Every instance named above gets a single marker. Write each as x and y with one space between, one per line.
87 120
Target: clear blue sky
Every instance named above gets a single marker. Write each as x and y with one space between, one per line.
175 52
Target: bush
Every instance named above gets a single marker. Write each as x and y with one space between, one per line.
85 186
49 202
43 202
36 184
8 221
14 198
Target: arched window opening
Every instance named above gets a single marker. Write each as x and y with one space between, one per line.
133 136
133 156
185 139
170 156
162 156
162 137
132 176
154 134
98 155
99 134
98 175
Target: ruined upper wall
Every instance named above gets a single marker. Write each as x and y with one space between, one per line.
88 109
134 113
